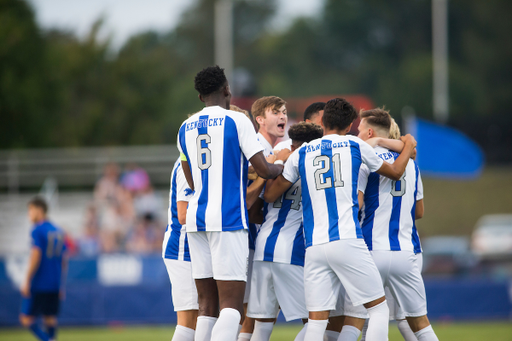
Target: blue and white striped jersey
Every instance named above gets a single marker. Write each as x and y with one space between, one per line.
280 238
329 169
217 144
388 214
175 245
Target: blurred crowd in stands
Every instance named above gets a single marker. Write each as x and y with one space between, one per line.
124 216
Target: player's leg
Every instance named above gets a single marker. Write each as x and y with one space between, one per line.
354 266
321 286
50 323
334 326
30 308
248 325
207 294
407 287
230 252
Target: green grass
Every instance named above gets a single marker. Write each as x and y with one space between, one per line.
452 207
477 331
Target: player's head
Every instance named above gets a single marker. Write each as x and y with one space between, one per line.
246 113
211 82
374 123
304 132
37 209
314 113
394 130
271 115
338 115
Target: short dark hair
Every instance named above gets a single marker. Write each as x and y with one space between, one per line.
313 109
210 80
39 203
338 114
305 132
378 118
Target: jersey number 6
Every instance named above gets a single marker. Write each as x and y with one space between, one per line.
204 155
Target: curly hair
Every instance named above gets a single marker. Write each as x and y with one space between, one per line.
210 80
305 132
338 114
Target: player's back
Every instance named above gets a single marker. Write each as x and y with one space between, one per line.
329 169
388 215
217 143
50 240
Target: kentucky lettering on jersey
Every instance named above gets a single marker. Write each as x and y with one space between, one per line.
280 238
50 240
175 245
388 214
329 168
217 144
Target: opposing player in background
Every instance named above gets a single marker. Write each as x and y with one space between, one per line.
313 114
335 250
43 287
390 209
278 268
215 144
176 256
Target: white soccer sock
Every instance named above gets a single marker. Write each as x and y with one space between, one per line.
244 336
226 327
204 328
378 324
365 329
302 333
426 334
315 330
262 331
349 333
331 335
406 331
183 334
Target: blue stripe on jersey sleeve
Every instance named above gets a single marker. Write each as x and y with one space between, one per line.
330 194
415 238
355 152
299 250
202 202
371 203
232 178
307 209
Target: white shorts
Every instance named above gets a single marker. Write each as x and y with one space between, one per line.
344 307
221 255
406 296
184 292
249 276
344 262
277 285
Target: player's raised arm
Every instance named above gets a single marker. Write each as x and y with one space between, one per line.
396 170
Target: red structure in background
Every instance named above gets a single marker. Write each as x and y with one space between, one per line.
297 105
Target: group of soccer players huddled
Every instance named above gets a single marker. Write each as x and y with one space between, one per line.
320 227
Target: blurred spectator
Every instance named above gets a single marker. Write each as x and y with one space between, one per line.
89 244
146 202
135 179
146 237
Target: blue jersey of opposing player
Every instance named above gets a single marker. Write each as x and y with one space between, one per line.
50 240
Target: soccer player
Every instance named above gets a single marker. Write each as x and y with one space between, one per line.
176 255
278 267
388 224
215 144
42 288
335 251
313 114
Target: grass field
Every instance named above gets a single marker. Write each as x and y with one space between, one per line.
477 331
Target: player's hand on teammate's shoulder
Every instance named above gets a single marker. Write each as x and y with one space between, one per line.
283 154
409 139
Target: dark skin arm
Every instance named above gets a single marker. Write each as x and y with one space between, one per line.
395 170
255 212
263 168
188 174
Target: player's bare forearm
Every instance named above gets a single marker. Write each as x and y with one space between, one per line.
188 174
255 212
263 168
33 265
420 209
253 191
274 190
396 170
182 211
394 145
360 198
